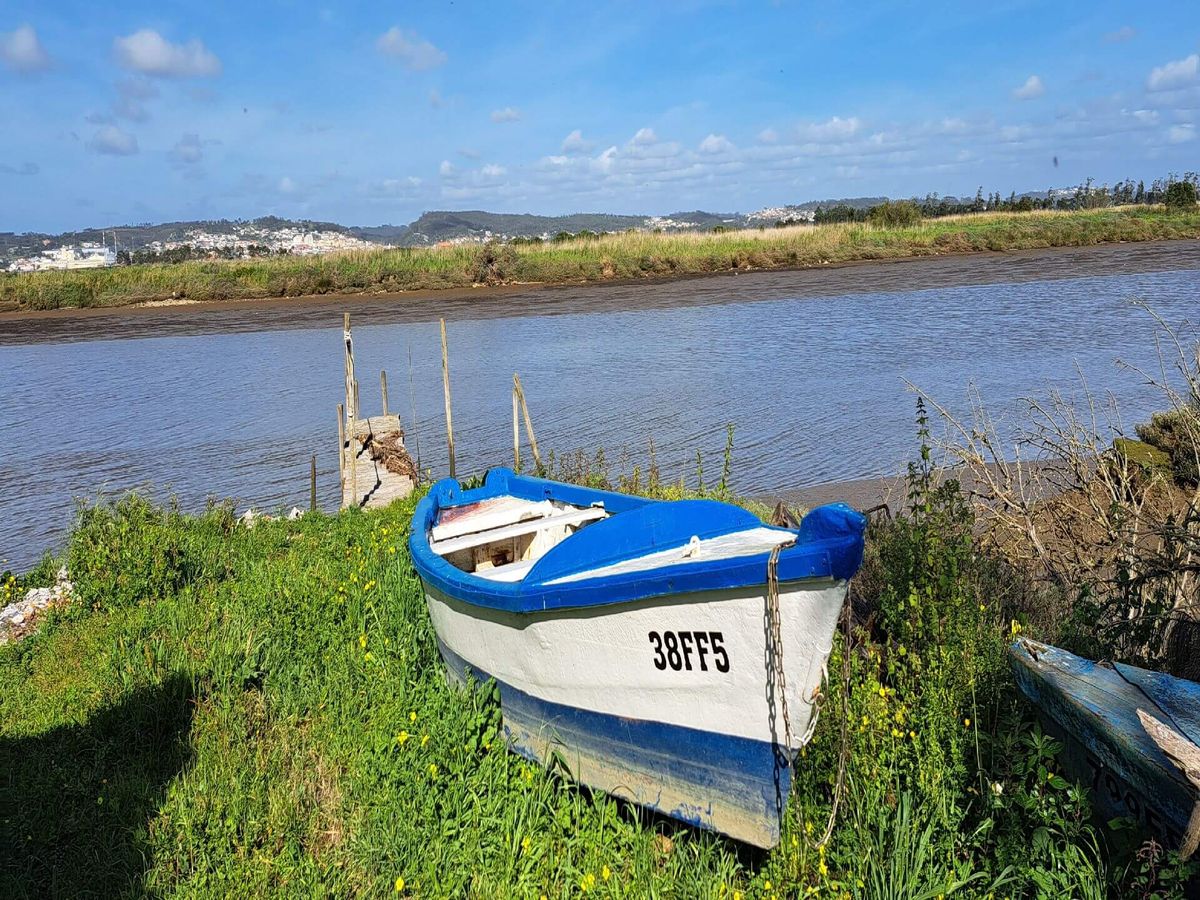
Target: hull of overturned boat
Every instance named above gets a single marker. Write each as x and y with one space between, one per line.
1129 735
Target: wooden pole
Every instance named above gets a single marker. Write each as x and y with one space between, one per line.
312 484
349 363
383 389
446 387
516 430
537 457
342 448
353 464
357 408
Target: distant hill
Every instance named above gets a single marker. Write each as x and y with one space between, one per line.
431 228
442 225
134 237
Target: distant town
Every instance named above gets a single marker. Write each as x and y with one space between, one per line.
270 235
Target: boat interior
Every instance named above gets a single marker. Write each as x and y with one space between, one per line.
502 537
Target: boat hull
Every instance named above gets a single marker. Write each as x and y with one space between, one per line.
692 727
1093 708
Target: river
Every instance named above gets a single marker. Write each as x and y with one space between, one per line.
812 368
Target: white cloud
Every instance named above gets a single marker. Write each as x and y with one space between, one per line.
604 162
575 143
188 150
768 136
148 52
112 141
286 185
716 143
829 131
22 51
395 187
1175 74
492 170
1032 88
446 168
1181 134
508 114
1122 34
414 52
1146 116
644 137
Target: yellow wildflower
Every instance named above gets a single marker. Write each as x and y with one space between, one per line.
605 873
424 739
399 884
967 723
402 737
412 717
526 843
362 641
433 770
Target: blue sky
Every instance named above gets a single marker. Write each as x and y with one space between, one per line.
371 113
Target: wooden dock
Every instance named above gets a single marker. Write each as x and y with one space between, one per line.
374 465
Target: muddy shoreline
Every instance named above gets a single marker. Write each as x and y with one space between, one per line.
857 277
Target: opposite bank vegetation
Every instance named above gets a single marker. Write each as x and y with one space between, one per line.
901 234
225 711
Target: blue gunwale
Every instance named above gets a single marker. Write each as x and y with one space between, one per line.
829 545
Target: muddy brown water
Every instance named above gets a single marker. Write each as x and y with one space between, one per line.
812 367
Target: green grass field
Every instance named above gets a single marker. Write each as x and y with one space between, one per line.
232 712
619 256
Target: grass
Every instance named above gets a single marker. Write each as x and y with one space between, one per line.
618 256
262 712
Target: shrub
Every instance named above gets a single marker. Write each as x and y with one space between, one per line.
897 214
1181 195
1176 434
132 551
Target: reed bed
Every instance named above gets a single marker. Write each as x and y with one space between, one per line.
630 255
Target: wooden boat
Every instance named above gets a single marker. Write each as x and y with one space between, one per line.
641 643
1131 736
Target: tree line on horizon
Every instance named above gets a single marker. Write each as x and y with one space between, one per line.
1087 195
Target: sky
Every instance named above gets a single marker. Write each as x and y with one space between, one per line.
368 114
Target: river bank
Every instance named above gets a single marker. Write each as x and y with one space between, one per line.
868 276
610 258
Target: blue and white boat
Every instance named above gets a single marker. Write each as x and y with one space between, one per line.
669 653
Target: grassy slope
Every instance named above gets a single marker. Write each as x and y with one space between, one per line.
263 713
280 724
614 256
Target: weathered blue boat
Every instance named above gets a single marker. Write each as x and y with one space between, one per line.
1131 736
669 653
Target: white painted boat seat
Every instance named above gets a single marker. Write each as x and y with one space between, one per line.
491 513
514 571
529 526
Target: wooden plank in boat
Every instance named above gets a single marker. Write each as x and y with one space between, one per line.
486 514
467 541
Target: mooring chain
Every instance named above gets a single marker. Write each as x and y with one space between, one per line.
776 618
777 638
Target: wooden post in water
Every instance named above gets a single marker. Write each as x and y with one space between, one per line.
516 429
351 409
383 389
353 462
520 392
312 484
446 387
341 448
